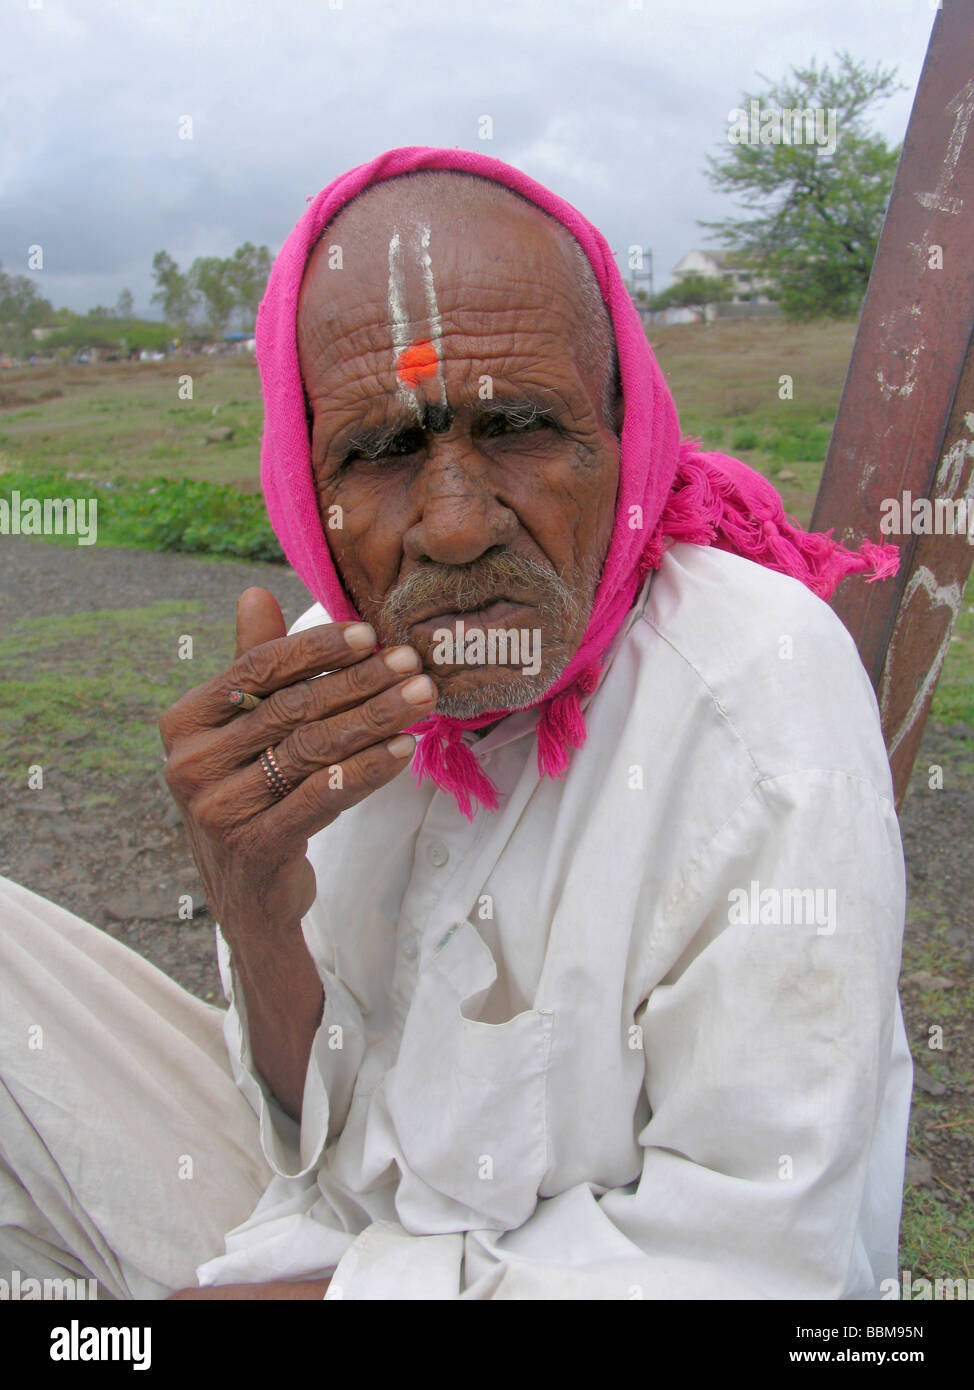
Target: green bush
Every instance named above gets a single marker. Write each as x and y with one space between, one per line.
163 513
746 438
86 333
799 442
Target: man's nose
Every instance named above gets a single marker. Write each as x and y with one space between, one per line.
460 515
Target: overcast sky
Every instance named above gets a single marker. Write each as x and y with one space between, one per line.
612 105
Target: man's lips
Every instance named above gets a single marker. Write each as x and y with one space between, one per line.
495 612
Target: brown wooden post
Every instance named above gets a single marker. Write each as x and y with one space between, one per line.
906 419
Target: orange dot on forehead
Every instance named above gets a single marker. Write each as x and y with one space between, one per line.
417 362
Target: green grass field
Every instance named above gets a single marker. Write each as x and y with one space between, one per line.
127 420
726 381
54 689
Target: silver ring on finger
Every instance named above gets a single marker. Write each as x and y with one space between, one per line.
273 776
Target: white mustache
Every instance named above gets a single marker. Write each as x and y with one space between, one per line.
451 590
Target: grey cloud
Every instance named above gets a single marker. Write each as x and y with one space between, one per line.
613 107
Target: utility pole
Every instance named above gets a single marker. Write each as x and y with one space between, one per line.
647 272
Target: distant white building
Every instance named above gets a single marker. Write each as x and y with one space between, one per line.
747 286
748 297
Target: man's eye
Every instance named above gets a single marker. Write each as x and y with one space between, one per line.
401 445
409 442
512 424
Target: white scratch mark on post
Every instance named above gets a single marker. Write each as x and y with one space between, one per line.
866 472
890 327
911 372
939 200
921 250
952 465
963 104
866 467
940 596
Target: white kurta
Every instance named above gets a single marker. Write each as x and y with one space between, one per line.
636 1033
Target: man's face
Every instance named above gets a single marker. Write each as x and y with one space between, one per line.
460 437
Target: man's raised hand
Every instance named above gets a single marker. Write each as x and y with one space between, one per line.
334 740
330 738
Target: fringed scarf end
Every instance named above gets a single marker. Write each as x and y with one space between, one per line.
442 755
562 725
719 501
883 559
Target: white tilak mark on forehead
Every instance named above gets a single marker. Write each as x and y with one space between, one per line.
398 322
432 310
397 313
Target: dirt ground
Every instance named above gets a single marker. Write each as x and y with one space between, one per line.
68 840
103 838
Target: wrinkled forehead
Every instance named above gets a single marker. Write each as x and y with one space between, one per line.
436 248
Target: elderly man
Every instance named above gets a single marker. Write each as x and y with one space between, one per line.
600 1002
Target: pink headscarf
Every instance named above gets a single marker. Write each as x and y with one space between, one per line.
683 494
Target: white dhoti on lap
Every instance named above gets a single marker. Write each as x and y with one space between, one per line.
126 1150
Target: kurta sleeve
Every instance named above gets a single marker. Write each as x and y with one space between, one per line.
776 1072
293 1150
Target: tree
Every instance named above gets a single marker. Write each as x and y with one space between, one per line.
209 278
22 309
174 292
125 307
248 272
693 291
802 156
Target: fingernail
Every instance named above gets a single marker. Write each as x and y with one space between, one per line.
360 636
418 691
402 659
402 746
